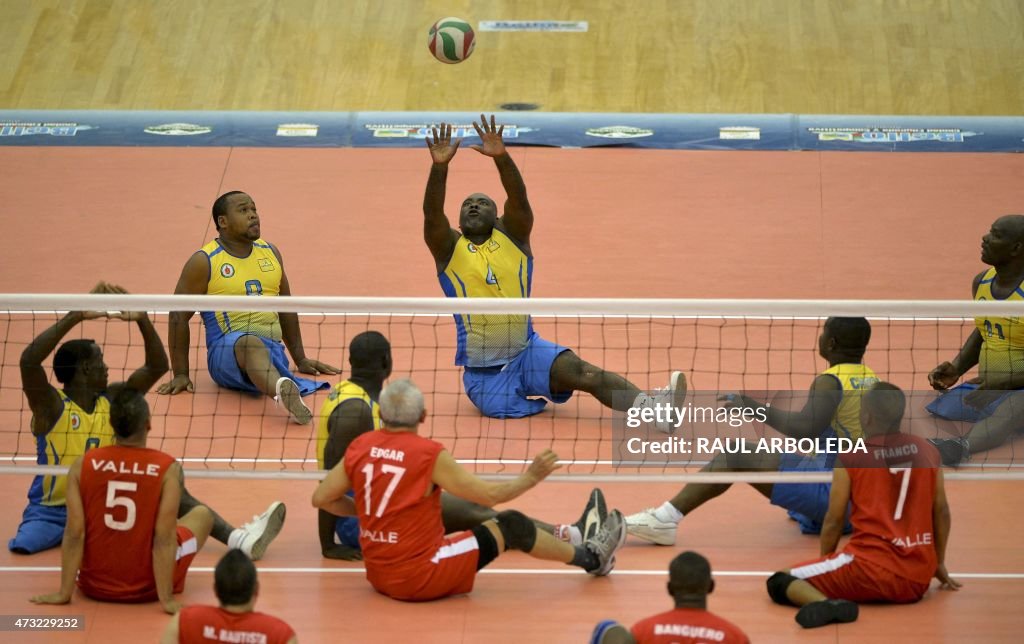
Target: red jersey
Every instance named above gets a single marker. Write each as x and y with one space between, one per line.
687 626
120 489
892 493
399 521
197 624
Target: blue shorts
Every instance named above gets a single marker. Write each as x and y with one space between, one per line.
951 405
220 359
42 528
807 502
508 391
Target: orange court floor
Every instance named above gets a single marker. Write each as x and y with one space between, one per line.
609 223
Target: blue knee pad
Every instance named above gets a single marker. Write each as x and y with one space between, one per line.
347 530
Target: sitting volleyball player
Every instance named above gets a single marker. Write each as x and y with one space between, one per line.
398 475
244 349
351 409
900 518
507 368
832 410
994 401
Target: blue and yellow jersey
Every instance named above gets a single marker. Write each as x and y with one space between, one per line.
1003 349
496 268
341 393
854 379
258 274
74 432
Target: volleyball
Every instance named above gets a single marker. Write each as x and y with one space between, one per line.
451 40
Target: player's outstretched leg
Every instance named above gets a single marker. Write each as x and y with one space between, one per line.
513 530
254 537
570 373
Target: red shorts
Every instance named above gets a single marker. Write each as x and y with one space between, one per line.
844 576
187 549
451 571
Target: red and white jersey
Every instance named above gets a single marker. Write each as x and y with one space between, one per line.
399 522
197 624
892 494
120 489
687 626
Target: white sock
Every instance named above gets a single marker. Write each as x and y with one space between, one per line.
575 536
667 513
235 538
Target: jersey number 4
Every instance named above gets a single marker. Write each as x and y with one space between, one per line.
114 500
396 475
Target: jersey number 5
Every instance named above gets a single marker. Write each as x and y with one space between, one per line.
396 475
113 501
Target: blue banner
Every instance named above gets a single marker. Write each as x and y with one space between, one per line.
565 130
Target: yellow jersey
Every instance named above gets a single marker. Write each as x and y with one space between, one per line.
854 379
74 432
341 393
496 268
259 274
1002 351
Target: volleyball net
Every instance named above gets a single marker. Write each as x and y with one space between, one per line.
767 350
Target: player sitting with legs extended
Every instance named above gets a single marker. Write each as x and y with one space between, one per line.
690 622
351 410
122 541
244 350
900 518
398 475
993 401
832 410
507 368
235 620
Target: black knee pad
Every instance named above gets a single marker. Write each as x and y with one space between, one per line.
777 585
518 531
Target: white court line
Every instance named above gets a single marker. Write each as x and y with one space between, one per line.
618 572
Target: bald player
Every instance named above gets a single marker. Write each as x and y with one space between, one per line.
900 517
507 368
398 476
244 350
992 401
689 622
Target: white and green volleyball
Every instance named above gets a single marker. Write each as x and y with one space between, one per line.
451 40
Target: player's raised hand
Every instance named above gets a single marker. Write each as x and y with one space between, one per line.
492 145
441 147
114 289
543 464
943 376
315 367
177 384
946 582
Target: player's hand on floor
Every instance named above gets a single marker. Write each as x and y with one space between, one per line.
543 464
51 598
946 582
342 553
176 385
315 367
943 376
171 607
